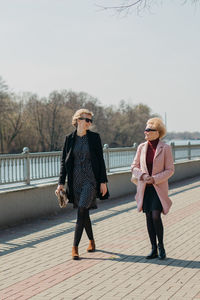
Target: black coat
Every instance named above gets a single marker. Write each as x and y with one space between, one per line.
97 161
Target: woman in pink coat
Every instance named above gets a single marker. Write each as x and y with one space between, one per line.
151 168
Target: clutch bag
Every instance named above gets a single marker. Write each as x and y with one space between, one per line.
62 198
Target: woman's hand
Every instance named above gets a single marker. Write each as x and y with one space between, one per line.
60 187
145 177
148 179
103 188
152 180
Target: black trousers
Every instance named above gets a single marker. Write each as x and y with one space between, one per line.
83 221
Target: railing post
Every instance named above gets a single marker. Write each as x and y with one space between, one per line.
135 146
189 151
173 150
106 149
26 164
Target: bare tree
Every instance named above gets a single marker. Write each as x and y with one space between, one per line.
14 124
58 119
11 123
127 5
42 123
4 97
3 89
37 116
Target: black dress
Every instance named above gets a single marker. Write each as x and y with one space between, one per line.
151 200
84 183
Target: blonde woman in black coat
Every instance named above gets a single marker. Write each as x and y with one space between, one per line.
83 165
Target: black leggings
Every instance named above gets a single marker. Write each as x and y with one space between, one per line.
155 227
83 221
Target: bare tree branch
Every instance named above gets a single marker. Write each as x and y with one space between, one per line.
122 7
138 4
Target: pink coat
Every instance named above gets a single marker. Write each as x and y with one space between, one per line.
163 169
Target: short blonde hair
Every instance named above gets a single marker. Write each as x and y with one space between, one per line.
78 114
158 124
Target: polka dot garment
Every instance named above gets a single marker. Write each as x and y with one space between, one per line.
84 183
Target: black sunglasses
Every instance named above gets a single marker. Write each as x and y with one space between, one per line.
86 119
149 129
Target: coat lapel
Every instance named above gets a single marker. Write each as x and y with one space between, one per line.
71 144
158 149
144 155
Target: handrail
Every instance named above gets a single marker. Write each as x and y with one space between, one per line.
27 166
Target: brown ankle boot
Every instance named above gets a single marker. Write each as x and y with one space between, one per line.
75 254
91 247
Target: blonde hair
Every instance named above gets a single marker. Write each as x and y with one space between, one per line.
78 114
158 124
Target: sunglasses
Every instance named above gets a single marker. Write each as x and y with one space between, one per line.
86 120
149 129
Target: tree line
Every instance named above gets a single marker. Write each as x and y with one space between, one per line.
42 123
185 135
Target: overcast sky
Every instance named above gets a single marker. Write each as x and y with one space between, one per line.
152 59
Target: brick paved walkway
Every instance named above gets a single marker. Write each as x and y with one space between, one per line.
36 260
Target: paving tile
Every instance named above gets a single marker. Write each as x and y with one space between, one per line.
36 257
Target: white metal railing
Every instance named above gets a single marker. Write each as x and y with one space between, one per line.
27 167
118 157
188 151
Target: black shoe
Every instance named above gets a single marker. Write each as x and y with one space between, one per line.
152 254
161 252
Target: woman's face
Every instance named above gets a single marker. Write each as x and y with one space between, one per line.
84 122
150 132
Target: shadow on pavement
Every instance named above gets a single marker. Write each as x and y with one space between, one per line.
51 235
44 223
169 261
